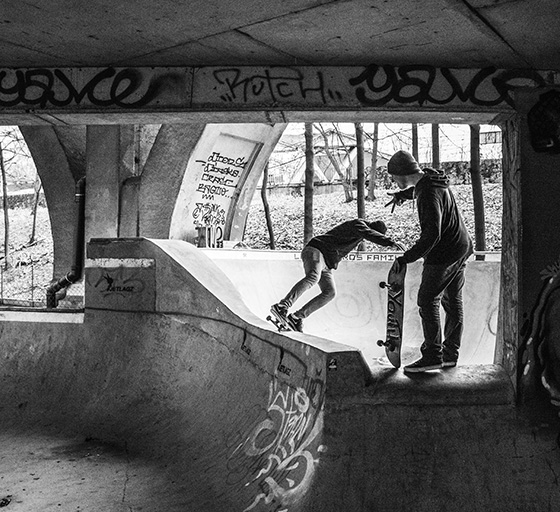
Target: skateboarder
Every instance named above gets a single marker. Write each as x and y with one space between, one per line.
445 245
320 257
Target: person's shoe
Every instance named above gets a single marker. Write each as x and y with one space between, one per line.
295 323
423 365
449 364
281 311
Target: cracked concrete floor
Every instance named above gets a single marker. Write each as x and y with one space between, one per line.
42 473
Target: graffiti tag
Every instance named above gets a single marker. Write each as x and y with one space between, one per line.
273 84
284 446
379 85
42 87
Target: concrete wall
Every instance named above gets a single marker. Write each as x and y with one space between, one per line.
540 190
171 365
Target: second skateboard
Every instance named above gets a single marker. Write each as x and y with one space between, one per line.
395 312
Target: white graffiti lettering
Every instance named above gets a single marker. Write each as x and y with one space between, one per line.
287 459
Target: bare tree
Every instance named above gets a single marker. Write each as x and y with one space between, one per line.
347 186
435 146
360 169
373 168
415 141
266 207
309 175
478 197
6 264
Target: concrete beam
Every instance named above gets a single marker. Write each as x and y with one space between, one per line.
256 94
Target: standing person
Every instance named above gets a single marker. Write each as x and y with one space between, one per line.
320 257
445 245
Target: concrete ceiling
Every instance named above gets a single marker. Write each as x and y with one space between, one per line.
443 33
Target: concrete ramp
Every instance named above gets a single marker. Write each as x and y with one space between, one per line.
168 394
357 315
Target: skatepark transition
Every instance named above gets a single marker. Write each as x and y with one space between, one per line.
169 392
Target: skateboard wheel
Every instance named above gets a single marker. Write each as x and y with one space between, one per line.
380 343
382 284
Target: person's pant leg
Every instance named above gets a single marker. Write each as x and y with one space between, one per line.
313 262
452 302
328 292
429 299
435 281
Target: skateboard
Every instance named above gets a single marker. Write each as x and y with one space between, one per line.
395 310
279 322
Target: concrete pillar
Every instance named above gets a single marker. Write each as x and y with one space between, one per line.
102 188
59 156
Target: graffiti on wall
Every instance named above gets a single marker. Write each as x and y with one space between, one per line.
212 88
539 351
375 85
126 88
282 449
378 85
220 177
274 85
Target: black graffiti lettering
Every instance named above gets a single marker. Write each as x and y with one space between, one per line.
212 189
45 87
507 81
379 85
210 167
408 82
32 82
209 214
217 180
88 89
284 369
276 83
218 157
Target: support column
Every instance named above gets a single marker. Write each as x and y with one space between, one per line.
102 189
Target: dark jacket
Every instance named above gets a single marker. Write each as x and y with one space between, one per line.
339 241
444 238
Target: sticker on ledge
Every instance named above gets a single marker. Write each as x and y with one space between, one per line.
332 364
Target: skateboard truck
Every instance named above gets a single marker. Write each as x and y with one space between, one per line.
386 343
390 286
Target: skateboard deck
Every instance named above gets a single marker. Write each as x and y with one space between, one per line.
278 321
395 311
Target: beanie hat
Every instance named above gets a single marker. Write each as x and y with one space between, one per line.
402 163
379 226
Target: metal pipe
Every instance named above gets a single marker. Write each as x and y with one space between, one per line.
75 274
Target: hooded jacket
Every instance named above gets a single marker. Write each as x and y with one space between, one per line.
444 238
339 241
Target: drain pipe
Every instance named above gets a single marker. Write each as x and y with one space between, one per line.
54 293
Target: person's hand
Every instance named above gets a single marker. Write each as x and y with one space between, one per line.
396 201
398 264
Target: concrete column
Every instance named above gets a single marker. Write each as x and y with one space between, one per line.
58 156
102 187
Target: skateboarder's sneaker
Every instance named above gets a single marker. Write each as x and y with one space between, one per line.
280 311
424 364
295 323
